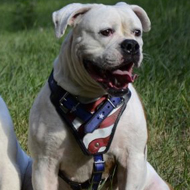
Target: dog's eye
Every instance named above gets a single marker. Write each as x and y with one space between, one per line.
137 32
107 32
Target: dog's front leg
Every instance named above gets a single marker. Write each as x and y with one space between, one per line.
45 173
132 176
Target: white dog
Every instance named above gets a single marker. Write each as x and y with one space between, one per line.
15 165
96 59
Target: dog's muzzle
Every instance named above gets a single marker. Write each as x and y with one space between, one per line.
115 80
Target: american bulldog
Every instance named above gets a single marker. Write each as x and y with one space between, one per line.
96 60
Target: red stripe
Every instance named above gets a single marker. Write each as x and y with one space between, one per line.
93 106
106 123
110 120
93 148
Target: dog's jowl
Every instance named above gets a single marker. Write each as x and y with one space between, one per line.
87 121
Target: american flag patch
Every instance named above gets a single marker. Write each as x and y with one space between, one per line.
97 141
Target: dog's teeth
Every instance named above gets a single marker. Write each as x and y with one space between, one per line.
110 84
115 81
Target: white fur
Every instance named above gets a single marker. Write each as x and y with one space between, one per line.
9 175
14 163
50 142
52 145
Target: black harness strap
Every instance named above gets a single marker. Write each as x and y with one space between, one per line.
96 178
74 185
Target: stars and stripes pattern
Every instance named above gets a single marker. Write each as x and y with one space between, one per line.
99 139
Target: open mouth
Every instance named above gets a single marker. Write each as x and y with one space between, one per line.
113 80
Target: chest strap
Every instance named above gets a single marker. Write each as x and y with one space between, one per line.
96 178
93 131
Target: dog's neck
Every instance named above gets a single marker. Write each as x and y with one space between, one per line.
70 74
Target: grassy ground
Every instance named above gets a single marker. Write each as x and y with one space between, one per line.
26 58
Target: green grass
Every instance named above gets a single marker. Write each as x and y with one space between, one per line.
26 58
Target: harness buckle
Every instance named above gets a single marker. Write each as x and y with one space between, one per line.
111 102
64 109
98 166
99 162
63 98
74 108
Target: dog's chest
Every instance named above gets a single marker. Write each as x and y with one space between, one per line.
76 165
79 167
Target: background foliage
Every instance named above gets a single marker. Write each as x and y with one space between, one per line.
28 47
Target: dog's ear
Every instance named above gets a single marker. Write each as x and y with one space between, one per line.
68 15
140 12
142 15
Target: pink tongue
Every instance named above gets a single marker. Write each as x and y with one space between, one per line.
120 72
123 75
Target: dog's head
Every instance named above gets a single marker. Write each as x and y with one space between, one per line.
106 39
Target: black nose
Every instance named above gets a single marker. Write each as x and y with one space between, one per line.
130 46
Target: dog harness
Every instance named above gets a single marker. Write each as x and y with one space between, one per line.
93 126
